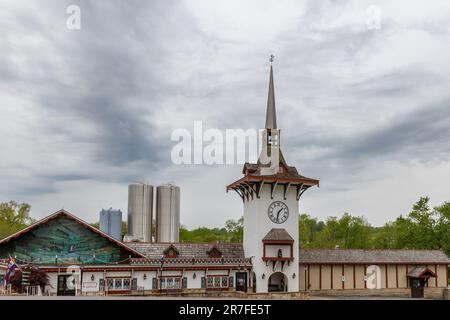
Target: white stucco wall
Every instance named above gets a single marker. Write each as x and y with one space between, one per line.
257 224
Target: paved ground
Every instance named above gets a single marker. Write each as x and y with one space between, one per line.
183 298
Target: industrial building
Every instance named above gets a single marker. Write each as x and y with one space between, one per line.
167 213
269 259
110 222
140 212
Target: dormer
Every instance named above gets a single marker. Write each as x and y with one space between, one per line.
214 252
171 252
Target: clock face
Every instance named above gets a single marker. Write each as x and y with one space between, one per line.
278 212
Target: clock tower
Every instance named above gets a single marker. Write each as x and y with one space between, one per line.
270 191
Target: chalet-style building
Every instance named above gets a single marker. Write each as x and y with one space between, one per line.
80 259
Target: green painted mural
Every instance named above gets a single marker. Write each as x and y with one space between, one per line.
64 241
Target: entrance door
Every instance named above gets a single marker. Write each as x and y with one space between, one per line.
277 282
66 285
417 287
241 281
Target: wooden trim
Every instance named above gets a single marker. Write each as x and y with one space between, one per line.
436 279
331 276
354 276
286 242
277 259
406 275
396 276
343 276
309 278
386 275
365 274
320 277
446 274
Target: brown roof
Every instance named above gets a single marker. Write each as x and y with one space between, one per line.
372 256
277 234
421 272
188 250
254 169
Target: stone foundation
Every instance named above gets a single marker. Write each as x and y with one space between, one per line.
429 293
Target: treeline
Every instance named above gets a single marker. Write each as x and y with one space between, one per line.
423 228
232 232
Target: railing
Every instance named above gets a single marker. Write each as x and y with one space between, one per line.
5 290
33 291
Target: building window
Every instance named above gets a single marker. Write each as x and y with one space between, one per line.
217 282
170 283
118 284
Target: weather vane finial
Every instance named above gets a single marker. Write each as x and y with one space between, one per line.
271 58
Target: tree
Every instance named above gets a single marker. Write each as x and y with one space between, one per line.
442 228
309 229
235 229
13 217
37 277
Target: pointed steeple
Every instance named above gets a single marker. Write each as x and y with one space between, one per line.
271 116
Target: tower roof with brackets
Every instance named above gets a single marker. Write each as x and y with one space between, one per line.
254 172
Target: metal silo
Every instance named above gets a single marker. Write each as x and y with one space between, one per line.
167 213
111 223
140 212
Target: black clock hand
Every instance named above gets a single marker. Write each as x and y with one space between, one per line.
278 213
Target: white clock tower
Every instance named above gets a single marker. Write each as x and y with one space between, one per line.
270 190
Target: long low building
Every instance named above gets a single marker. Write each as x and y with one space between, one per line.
338 269
80 259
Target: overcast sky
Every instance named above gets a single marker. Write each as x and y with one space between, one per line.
83 113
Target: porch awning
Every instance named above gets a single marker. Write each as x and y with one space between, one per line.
421 272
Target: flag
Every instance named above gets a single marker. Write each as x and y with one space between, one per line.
10 269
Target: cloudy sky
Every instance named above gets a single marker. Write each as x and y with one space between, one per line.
363 103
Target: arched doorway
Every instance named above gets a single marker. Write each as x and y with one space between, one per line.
277 282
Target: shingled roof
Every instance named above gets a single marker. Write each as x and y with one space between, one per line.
188 250
278 234
327 256
421 272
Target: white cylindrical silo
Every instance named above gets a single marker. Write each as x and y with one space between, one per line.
167 213
140 212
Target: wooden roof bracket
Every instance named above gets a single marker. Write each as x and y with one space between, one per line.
299 191
259 186
273 186
286 189
239 192
249 189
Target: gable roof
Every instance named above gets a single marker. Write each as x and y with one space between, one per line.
421 272
65 213
214 252
342 256
278 234
188 250
171 251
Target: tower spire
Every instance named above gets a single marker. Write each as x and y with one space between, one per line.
271 116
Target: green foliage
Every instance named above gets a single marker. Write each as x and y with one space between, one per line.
346 232
233 232
13 217
422 228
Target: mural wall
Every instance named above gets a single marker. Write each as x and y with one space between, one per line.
64 241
